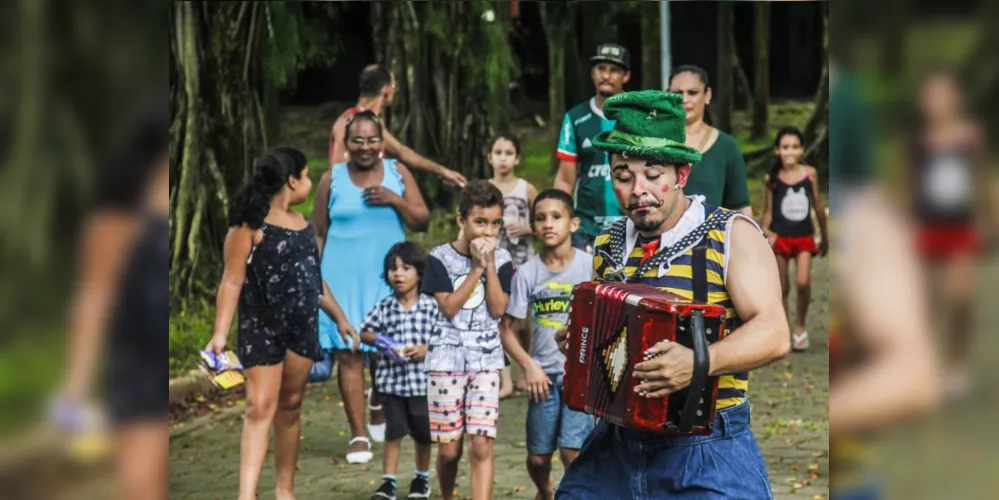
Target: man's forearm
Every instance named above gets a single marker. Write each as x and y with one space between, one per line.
761 341
565 178
415 160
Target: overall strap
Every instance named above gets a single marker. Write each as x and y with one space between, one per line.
699 272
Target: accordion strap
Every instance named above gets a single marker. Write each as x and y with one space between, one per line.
699 272
699 338
616 259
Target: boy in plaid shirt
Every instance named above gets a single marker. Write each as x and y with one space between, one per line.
405 319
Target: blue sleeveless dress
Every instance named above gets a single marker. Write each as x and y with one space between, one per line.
353 257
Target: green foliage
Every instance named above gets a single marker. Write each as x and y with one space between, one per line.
190 332
297 37
30 369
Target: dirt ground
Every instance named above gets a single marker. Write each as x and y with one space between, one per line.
790 420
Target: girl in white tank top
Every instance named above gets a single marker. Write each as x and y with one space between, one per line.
517 236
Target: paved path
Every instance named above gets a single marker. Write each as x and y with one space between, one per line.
790 419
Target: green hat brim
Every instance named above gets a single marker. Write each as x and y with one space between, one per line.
651 148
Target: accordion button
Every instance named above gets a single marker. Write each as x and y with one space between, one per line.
700 413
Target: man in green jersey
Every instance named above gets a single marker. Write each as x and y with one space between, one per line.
583 171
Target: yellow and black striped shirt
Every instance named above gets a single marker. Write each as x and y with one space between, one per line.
678 279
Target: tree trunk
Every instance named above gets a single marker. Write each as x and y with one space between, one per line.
815 129
187 32
745 90
721 101
554 16
651 46
578 84
820 110
501 113
761 50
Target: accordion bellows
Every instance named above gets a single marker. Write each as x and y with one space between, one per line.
611 326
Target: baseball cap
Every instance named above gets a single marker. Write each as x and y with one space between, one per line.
612 53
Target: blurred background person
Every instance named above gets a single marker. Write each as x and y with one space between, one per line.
883 367
119 319
950 202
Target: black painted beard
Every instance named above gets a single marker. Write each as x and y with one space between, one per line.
649 223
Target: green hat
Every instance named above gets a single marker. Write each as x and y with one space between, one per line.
648 124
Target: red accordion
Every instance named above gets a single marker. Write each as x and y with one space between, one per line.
611 326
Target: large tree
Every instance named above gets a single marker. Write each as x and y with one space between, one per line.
454 65
67 92
722 102
228 60
557 17
761 82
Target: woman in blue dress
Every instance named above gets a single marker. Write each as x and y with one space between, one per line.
359 212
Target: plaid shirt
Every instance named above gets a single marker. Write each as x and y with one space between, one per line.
412 327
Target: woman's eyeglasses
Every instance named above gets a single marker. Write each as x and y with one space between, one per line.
371 141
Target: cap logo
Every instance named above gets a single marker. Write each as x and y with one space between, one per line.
611 51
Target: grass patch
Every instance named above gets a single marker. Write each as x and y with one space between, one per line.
189 333
31 368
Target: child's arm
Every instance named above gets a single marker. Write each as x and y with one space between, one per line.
236 251
368 337
820 212
437 284
768 209
537 380
415 352
497 280
328 303
518 230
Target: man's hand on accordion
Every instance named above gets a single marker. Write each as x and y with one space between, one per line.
562 340
670 369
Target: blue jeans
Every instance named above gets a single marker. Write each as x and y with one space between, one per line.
552 424
616 462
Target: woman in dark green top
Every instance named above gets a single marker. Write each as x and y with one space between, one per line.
720 176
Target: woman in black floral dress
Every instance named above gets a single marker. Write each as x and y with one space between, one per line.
272 274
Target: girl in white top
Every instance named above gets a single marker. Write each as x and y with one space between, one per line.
517 235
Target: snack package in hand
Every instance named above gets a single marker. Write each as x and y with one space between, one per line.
390 348
223 370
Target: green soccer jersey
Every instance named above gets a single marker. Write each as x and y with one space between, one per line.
596 205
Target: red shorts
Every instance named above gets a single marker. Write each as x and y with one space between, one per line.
944 241
791 246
